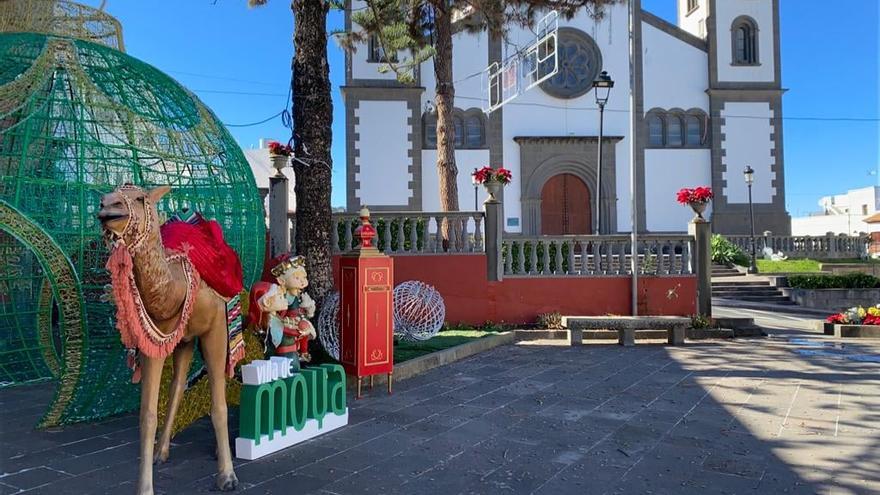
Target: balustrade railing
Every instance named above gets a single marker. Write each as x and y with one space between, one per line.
804 246
596 255
411 232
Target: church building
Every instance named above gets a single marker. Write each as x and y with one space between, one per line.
708 103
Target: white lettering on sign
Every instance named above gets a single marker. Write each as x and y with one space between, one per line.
260 371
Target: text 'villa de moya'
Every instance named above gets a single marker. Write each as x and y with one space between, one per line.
708 103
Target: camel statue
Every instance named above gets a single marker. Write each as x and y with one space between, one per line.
173 305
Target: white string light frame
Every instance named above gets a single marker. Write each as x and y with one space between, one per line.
328 325
419 311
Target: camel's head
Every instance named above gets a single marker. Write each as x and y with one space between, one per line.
130 212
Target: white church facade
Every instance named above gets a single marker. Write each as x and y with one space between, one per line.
708 103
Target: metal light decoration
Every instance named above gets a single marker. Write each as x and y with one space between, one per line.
602 86
749 176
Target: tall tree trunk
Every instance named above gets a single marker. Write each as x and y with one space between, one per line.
312 119
444 103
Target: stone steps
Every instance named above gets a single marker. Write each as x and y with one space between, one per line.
729 283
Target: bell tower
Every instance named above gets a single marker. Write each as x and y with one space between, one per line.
745 99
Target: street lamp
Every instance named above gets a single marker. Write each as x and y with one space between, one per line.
602 85
749 175
476 186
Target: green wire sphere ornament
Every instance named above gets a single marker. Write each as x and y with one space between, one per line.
77 118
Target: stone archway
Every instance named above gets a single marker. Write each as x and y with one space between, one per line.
542 158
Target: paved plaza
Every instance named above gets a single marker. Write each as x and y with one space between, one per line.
792 413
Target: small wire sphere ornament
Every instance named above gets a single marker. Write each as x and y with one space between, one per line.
419 311
328 325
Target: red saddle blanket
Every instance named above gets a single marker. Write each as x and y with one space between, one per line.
202 241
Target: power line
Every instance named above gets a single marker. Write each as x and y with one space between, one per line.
267 119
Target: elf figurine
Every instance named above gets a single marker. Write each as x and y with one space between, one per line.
297 330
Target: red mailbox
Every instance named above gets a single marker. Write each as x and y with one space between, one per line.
366 346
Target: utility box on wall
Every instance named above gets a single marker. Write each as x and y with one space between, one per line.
366 308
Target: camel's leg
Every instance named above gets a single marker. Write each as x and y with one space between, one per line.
213 344
183 354
151 376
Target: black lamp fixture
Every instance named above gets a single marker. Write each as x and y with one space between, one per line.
476 187
749 176
602 86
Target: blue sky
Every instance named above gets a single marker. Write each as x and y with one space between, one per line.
238 61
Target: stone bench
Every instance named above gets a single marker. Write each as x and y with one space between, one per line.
626 326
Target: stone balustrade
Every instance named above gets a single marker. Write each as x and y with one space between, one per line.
591 255
411 232
803 246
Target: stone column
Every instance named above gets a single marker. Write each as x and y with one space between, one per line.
279 233
494 230
701 230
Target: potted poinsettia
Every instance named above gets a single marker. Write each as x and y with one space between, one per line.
697 198
493 179
280 155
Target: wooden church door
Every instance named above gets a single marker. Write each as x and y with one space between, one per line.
565 206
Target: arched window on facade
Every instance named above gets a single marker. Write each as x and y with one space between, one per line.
655 131
673 131
693 131
474 132
744 32
470 129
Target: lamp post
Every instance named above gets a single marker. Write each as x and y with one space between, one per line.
749 175
602 86
476 186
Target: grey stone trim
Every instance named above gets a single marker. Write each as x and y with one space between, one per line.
712 36
353 95
674 31
495 125
546 156
745 19
638 90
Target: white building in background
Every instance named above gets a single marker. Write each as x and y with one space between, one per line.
708 101
261 166
840 214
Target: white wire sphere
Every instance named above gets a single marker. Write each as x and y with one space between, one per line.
328 325
419 311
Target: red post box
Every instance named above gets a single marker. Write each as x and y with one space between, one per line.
366 346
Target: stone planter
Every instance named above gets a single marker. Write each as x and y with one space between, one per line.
493 188
279 162
698 208
853 331
833 299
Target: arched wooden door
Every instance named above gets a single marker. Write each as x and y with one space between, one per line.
565 206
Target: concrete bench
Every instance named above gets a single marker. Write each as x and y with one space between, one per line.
626 326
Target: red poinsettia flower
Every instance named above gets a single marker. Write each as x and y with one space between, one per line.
700 194
503 175
276 148
871 320
489 174
837 319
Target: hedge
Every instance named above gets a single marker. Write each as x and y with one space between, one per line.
847 281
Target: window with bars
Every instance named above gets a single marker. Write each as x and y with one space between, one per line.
677 129
470 129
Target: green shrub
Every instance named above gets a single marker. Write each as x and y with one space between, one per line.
550 321
701 321
847 281
727 253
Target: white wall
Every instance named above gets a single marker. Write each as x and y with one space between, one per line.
667 171
819 225
383 152
360 68
470 57
466 161
746 129
762 12
675 73
854 201
537 114
695 22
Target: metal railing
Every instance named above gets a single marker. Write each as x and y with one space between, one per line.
410 232
591 255
804 246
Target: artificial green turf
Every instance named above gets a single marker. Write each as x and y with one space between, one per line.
404 351
789 266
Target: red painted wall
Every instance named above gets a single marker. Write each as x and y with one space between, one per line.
471 299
